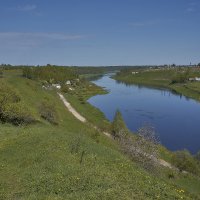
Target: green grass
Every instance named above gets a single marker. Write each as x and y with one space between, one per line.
43 161
162 79
188 181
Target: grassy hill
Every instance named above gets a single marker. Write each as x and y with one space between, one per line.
71 160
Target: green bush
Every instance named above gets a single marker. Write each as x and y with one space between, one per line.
180 77
184 161
17 114
12 109
8 94
48 112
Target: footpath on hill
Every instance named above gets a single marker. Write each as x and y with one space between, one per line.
83 119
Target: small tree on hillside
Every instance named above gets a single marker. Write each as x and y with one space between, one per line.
119 128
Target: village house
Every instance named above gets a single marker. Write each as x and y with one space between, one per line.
57 86
68 83
194 79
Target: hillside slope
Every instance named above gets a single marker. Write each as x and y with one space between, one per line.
69 160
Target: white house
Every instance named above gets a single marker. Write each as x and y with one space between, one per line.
194 79
57 86
68 83
197 78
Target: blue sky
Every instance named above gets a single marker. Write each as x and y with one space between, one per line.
99 32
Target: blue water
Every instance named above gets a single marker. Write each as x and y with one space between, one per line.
175 118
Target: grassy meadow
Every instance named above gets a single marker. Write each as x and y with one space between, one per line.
72 160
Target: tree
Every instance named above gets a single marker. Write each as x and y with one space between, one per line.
199 64
119 128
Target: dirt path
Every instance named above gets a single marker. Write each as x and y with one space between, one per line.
71 109
79 116
83 119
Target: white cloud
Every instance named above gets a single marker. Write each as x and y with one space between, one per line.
15 39
26 8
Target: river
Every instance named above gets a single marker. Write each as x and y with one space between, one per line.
175 118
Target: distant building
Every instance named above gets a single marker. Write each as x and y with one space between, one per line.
68 83
197 79
194 79
57 86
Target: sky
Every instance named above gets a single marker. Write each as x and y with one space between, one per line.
99 32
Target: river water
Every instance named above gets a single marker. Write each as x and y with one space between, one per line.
175 118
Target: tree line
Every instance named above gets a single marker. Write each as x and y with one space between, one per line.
51 74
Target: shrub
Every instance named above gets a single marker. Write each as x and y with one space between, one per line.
185 162
48 112
8 94
12 109
81 99
17 114
180 77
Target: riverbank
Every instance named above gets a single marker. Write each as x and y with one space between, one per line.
161 79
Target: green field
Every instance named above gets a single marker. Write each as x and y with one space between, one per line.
72 160
162 78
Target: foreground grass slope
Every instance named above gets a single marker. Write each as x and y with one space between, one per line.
70 160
